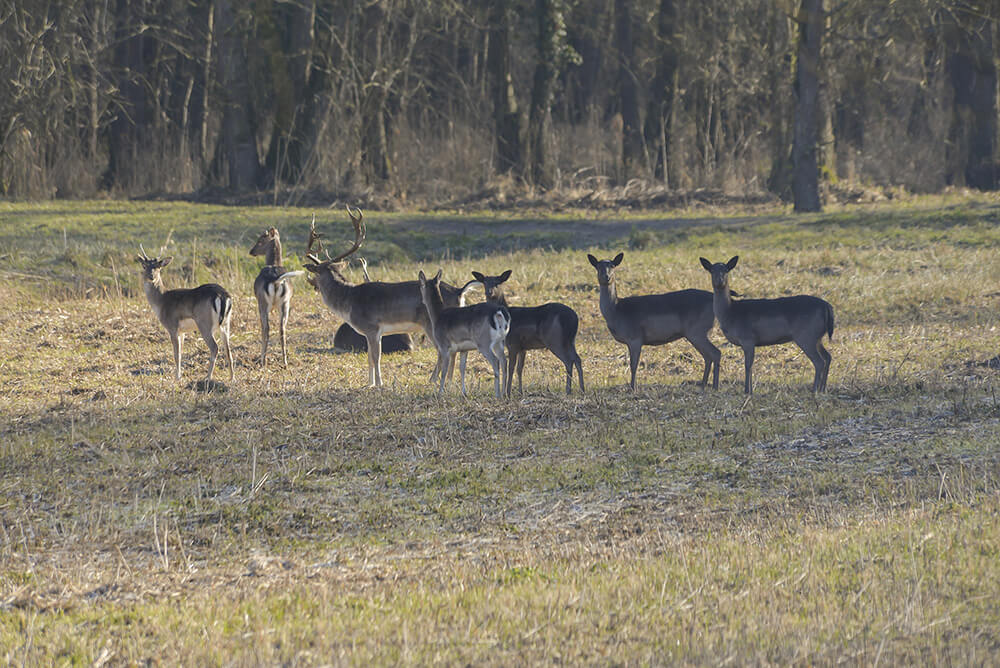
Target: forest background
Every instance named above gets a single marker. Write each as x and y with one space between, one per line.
402 103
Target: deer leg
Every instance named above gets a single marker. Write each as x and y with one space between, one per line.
265 331
229 350
574 359
177 339
463 358
508 372
501 365
442 366
634 350
285 309
520 372
818 361
567 361
711 355
451 370
374 359
826 369
747 367
213 347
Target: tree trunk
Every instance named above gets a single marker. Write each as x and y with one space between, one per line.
550 23
236 156
375 164
203 16
506 115
805 179
127 132
659 112
291 75
93 108
628 95
972 71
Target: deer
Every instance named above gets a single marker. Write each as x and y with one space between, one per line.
206 308
482 327
272 289
347 338
551 326
753 323
653 320
373 309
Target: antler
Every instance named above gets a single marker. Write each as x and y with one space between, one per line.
360 232
166 243
142 253
314 237
364 268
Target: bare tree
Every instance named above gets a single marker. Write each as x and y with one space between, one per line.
236 158
805 183
628 94
506 114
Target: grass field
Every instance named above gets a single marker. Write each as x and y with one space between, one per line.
298 517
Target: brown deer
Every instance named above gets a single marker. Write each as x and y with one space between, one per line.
550 326
480 327
653 320
348 339
206 308
272 289
752 323
373 309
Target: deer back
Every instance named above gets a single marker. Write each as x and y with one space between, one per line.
658 319
767 322
182 308
370 306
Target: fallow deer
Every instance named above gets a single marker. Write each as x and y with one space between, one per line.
752 323
552 326
347 338
480 327
652 320
206 308
373 309
272 289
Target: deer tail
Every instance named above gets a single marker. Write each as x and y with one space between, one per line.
829 321
501 320
223 306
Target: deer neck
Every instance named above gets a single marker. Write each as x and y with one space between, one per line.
722 303
154 293
500 299
609 300
435 303
273 255
336 292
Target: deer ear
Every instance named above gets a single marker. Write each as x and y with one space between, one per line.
705 263
421 277
504 276
437 277
593 260
311 267
165 261
618 259
732 262
479 277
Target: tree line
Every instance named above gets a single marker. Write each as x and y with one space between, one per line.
435 99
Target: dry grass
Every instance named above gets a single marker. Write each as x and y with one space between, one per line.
297 517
